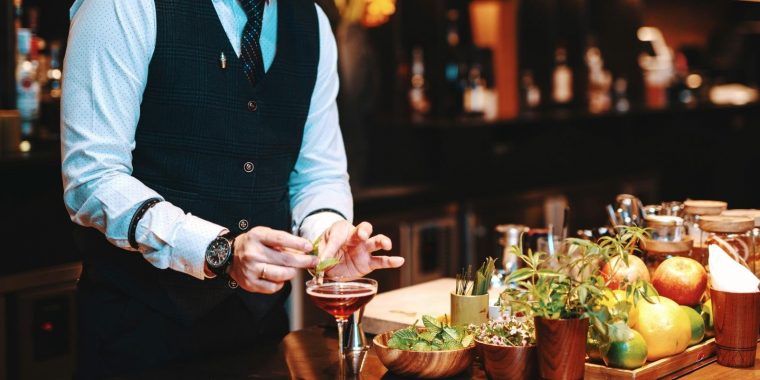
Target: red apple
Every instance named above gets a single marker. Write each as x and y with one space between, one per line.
681 279
619 272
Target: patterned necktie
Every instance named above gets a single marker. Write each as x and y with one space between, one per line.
250 52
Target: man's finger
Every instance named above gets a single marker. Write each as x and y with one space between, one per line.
273 273
282 239
287 258
338 235
361 233
379 242
385 262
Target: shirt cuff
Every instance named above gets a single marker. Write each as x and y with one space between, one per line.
314 225
192 239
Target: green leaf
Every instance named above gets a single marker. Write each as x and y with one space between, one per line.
406 333
451 345
431 323
327 264
428 336
467 340
421 346
399 343
450 334
315 246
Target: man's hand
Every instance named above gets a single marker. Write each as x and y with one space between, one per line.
265 259
354 246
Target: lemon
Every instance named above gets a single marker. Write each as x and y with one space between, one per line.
665 327
697 325
630 353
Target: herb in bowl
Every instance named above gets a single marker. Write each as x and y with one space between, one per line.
436 336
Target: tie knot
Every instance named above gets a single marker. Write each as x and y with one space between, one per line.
253 8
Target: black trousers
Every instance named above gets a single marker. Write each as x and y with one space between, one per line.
119 335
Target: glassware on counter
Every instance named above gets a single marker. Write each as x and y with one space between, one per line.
512 236
341 298
755 215
665 227
694 210
733 234
657 251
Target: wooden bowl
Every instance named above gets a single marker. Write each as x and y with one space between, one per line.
509 363
424 365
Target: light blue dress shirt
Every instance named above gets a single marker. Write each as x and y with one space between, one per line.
110 46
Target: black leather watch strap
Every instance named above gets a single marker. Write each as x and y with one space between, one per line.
144 207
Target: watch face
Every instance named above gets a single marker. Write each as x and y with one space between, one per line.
217 252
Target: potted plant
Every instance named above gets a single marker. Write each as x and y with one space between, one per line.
469 301
568 297
507 347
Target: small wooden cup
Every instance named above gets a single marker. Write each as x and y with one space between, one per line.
561 348
737 320
469 309
508 363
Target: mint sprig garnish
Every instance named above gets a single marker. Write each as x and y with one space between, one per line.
324 264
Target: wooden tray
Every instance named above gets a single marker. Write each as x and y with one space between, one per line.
694 357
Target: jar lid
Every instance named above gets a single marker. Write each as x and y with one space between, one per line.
704 207
663 221
726 224
667 247
749 213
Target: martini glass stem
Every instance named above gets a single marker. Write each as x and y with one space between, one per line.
341 328
341 350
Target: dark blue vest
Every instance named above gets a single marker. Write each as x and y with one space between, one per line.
214 145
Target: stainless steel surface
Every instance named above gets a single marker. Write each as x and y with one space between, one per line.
356 338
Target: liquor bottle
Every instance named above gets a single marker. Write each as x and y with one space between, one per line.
27 86
562 79
419 103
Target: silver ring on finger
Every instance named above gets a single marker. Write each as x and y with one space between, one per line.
263 274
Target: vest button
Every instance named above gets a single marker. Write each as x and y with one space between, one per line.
252 106
248 167
243 224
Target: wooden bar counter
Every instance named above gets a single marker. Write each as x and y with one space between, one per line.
311 353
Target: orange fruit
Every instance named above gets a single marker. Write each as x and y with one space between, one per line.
665 327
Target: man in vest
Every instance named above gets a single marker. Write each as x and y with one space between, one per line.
195 133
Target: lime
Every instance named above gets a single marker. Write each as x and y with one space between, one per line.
697 325
628 354
705 311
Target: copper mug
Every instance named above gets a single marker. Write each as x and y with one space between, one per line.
737 320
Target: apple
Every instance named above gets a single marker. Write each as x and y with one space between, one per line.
681 279
616 272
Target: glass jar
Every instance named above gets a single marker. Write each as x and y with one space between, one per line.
665 227
755 216
694 210
657 251
733 234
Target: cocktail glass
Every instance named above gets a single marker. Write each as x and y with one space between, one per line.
341 297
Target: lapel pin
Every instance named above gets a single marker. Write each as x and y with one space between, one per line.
222 61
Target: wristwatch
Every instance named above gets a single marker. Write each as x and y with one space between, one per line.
219 253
